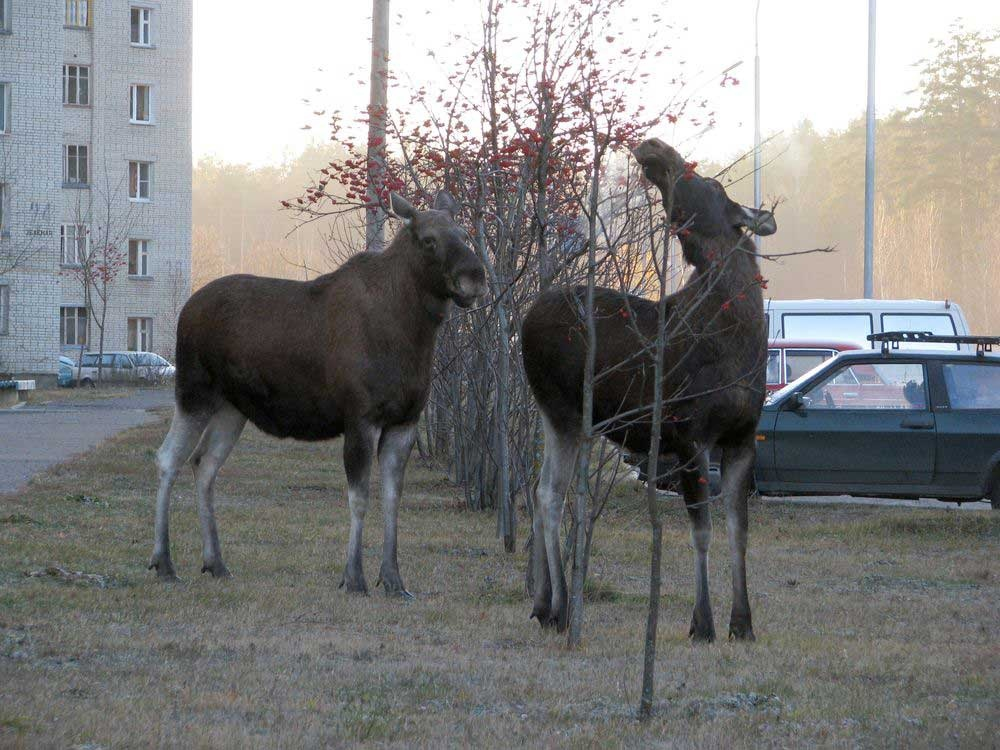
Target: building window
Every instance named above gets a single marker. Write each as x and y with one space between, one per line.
142 23
139 103
4 306
75 167
4 16
73 326
4 106
78 13
139 173
73 242
138 257
3 205
76 85
140 334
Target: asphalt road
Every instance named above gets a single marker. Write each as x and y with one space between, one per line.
33 438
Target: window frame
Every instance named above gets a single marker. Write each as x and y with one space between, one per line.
67 78
4 197
948 382
143 330
837 372
4 306
133 107
67 160
825 336
5 17
63 318
141 258
6 98
73 11
145 22
82 249
137 197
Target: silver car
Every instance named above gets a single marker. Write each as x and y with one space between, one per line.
144 367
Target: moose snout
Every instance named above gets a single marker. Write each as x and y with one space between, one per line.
469 287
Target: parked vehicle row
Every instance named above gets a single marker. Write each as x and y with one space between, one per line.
146 367
894 422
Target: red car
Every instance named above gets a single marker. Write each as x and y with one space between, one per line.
789 359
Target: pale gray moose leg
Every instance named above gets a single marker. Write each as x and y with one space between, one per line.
220 436
393 453
185 431
359 445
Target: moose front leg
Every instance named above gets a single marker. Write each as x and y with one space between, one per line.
359 445
694 481
393 453
737 470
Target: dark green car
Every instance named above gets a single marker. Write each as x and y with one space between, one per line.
890 423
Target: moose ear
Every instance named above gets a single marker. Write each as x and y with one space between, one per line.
444 201
402 208
757 220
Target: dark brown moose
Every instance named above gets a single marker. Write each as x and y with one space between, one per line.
713 385
348 353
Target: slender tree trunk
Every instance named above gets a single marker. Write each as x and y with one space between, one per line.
653 472
378 99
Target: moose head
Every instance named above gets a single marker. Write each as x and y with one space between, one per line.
450 265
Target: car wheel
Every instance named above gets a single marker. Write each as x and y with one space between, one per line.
87 382
995 493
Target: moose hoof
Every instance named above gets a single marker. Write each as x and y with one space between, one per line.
164 568
392 584
217 569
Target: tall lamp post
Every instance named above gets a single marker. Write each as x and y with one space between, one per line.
870 160
756 120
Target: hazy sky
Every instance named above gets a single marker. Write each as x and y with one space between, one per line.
252 71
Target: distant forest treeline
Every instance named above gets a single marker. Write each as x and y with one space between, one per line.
938 195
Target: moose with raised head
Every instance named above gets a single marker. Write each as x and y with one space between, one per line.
348 353
712 385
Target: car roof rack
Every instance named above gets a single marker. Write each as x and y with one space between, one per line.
894 338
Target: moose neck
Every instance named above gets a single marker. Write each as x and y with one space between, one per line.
725 271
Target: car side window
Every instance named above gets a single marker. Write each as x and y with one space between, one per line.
972 386
871 386
123 362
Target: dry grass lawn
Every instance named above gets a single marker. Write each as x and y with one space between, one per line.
876 626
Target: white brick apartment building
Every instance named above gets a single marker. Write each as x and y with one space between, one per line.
95 152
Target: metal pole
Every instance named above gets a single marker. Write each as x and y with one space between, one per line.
870 160
378 99
756 120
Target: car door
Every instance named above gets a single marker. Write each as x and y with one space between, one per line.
864 427
968 425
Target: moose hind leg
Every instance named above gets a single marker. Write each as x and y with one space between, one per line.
694 482
359 445
541 591
181 439
220 436
557 471
737 471
394 449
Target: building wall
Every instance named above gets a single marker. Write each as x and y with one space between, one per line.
36 294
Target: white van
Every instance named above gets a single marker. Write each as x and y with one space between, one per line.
854 319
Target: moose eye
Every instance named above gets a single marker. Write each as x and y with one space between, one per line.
429 243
